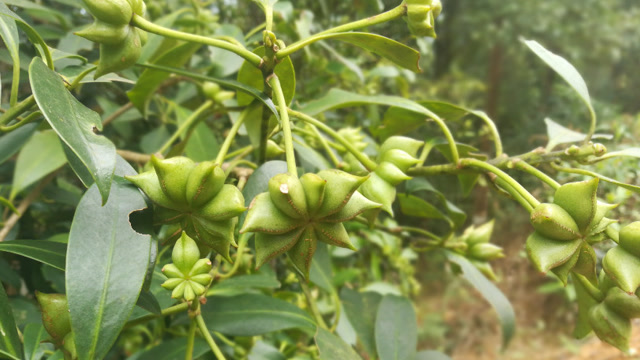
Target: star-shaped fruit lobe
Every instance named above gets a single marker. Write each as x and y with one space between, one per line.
297 213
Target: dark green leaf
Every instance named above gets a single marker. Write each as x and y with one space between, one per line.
362 308
337 98
415 206
321 273
253 314
151 79
75 125
9 341
32 34
398 53
396 329
332 347
40 156
12 142
33 335
309 157
264 351
48 252
106 266
149 302
491 293
399 121
9 275
233 85
9 34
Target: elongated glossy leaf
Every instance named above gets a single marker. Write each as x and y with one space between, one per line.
337 98
491 293
40 156
106 266
321 273
32 34
33 335
362 308
231 84
332 347
399 121
12 142
559 134
396 52
47 252
149 302
75 124
309 158
253 314
564 69
9 341
151 79
396 329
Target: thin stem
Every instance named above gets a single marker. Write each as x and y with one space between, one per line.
116 114
392 14
224 148
28 119
505 187
15 85
242 242
274 82
207 336
501 174
268 12
311 301
187 124
143 24
494 130
338 306
76 81
364 160
524 166
191 338
326 146
255 30
248 148
24 205
175 309
447 134
592 126
134 156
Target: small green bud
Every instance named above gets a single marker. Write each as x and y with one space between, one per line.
171 284
185 254
486 251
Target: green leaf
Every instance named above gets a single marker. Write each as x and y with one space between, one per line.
9 341
244 283
431 355
265 351
40 156
491 293
149 302
106 266
173 349
396 52
234 85
414 206
253 314
252 77
151 79
47 252
33 335
332 347
309 158
416 185
399 121
633 152
559 134
361 309
321 273
564 69
75 125
396 329
32 34
11 143
337 99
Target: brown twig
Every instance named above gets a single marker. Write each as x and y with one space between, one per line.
13 219
117 113
134 156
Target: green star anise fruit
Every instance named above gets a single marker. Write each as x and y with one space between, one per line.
622 263
297 213
195 197
188 275
565 229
